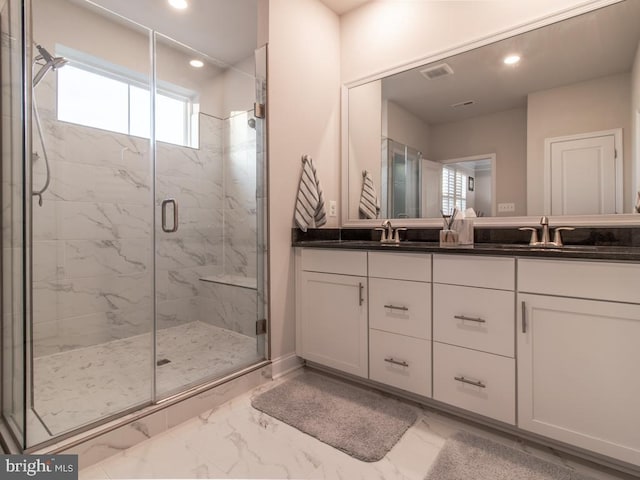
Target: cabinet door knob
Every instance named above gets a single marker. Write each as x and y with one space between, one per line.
524 317
470 319
470 382
360 292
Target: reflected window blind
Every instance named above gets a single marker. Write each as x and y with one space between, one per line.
454 190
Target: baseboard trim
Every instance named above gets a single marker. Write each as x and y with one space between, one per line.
285 364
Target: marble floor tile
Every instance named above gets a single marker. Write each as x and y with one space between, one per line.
237 441
93 473
79 386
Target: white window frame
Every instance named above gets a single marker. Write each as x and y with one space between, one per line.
98 66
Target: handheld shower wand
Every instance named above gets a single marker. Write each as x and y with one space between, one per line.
51 63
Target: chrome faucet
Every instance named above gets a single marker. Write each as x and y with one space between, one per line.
389 234
545 238
388 229
544 221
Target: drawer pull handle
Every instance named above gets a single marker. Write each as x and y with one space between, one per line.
393 307
470 382
402 363
471 319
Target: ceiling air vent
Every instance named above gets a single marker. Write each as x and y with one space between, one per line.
437 71
466 103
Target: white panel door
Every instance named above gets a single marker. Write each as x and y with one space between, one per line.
578 373
583 176
332 321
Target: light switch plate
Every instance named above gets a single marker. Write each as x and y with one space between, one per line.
506 207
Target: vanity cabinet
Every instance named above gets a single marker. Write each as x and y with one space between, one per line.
400 320
331 309
451 326
473 333
578 354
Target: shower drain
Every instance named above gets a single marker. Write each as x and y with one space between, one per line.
163 361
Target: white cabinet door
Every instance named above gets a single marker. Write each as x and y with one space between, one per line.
332 321
578 376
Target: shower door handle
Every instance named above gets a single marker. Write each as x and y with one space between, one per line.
165 228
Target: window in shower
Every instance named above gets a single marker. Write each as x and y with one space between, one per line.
123 103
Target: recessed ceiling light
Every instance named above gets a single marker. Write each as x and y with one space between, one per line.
512 59
196 63
179 4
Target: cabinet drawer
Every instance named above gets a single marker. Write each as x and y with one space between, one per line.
496 398
412 372
475 271
476 318
400 307
616 282
345 262
401 266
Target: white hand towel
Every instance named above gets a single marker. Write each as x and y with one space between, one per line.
369 206
310 201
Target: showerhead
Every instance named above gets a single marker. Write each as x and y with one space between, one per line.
51 63
44 54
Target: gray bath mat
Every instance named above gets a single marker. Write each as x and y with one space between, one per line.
468 457
361 423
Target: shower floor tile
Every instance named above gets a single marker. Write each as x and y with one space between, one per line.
81 386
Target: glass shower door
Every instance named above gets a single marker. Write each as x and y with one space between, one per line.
92 219
13 233
133 255
207 221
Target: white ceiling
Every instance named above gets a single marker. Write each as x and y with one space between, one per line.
343 6
593 45
223 29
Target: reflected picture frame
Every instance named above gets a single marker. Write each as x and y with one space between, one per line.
471 184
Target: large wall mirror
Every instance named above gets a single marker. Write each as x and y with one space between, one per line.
545 122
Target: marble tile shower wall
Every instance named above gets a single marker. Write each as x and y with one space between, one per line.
195 178
92 237
228 306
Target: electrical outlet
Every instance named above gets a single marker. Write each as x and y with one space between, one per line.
333 208
506 207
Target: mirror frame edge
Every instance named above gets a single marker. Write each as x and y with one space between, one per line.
608 220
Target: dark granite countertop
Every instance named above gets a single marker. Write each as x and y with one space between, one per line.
616 252
590 252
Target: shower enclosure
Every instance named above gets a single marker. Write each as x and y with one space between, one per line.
133 215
